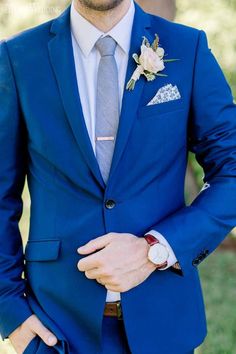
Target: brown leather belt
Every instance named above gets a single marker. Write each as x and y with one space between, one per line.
113 309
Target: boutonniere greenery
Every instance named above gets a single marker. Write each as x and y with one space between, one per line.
149 63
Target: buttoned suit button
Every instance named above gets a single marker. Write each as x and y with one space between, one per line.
110 204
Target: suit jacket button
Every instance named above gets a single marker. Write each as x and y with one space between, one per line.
201 257
195 262
110 204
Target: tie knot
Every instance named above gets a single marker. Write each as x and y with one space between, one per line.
106 46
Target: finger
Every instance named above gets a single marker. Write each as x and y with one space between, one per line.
48 337
95 244
100 281
90 262
95 273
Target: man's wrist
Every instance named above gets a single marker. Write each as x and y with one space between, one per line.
158 253
172 261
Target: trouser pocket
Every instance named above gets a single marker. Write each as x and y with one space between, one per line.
32 346
37 346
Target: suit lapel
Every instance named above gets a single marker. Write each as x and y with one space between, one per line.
62 60
131 99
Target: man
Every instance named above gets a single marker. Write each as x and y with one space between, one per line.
112 254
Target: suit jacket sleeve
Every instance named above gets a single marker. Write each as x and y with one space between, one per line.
195 231
14 308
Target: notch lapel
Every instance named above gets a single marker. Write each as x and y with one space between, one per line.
62 61
131 99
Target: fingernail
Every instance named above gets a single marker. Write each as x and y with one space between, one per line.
52 340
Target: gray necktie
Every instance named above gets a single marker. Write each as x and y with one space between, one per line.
107 104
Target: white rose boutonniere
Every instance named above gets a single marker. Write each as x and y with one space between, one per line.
150 62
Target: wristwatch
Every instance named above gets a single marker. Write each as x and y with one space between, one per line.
158 253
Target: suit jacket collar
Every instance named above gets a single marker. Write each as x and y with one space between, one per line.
62 61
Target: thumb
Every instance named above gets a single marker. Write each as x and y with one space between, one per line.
38 328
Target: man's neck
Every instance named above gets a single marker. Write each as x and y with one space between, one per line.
103 20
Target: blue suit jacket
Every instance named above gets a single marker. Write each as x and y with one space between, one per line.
43 136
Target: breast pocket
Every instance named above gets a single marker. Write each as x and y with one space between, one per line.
161 108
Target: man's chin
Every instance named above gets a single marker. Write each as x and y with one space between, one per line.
101 5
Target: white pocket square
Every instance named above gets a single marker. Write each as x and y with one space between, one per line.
165 94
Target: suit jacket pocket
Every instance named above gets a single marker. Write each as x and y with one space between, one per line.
42 250
161 108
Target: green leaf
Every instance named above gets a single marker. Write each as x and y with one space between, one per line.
155 43
130 85
169 60
146 42
149 77
136 58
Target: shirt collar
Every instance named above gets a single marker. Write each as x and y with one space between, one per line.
121 32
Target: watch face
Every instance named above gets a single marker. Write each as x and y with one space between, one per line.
158 254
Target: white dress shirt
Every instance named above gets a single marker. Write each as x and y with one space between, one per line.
84 36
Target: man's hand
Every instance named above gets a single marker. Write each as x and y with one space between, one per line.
121 262
30 328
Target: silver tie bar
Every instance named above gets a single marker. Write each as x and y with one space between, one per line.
101 138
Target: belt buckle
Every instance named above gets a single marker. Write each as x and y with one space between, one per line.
119 311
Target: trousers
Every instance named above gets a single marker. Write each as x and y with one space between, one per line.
114 339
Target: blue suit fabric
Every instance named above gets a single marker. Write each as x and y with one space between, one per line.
43 138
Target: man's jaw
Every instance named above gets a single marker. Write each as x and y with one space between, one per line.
100 5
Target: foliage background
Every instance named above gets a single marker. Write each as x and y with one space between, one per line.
218 19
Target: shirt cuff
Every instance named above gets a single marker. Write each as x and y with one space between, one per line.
172 258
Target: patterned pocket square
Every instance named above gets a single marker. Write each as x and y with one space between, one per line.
165 94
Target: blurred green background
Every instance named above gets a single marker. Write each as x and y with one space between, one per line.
218 19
